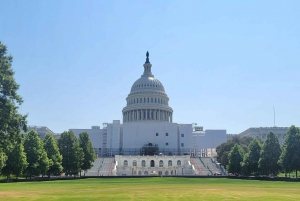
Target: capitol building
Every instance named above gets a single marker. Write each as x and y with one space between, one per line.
147 127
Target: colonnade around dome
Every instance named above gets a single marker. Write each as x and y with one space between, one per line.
147 114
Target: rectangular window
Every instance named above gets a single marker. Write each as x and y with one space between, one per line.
167 144
156 134
182 135
167 134
182 144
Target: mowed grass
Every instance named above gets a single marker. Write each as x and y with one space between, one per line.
155 188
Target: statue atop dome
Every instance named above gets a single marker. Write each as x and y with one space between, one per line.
147 59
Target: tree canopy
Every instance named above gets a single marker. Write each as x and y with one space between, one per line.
291 148
250 163
71 152
10 119
38 162
88 151
236 156
17 161
224 149
270 154
53 154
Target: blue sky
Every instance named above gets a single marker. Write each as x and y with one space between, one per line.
224 64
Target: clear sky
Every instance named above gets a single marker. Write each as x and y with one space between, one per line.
224 64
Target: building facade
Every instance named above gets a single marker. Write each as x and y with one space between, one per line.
262 132
148 125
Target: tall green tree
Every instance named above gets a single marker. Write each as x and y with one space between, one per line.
290 149
38 162
269 159
17 161
251 159
88 151
10 120
236 156
71 152
53 154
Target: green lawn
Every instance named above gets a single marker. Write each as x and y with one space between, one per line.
151 189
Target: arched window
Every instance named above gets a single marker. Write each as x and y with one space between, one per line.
137 100
144 100
141 100
148 100
134 163
169 163
158 101
143 163
134 101
179 163
125 163
155 100
161 163
151 100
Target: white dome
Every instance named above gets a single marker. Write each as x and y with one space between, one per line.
147 83
147 100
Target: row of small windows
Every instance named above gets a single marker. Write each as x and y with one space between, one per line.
147 100
167 134
147 85
182 144
143 163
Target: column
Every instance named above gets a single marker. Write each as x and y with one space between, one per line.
158 115
171 117
146 114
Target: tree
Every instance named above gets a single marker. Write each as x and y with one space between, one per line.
268 162
291 147
3 159
10 119
236 155
224 149
38 162
295 163
71 152
53 154
88 151
250 163
17 161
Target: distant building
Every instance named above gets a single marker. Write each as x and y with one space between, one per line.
41 131
262 132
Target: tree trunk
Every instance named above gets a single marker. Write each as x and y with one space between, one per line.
296 174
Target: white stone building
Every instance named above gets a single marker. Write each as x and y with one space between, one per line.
148 126
262 132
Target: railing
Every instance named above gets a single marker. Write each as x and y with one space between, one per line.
110 166
197 167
